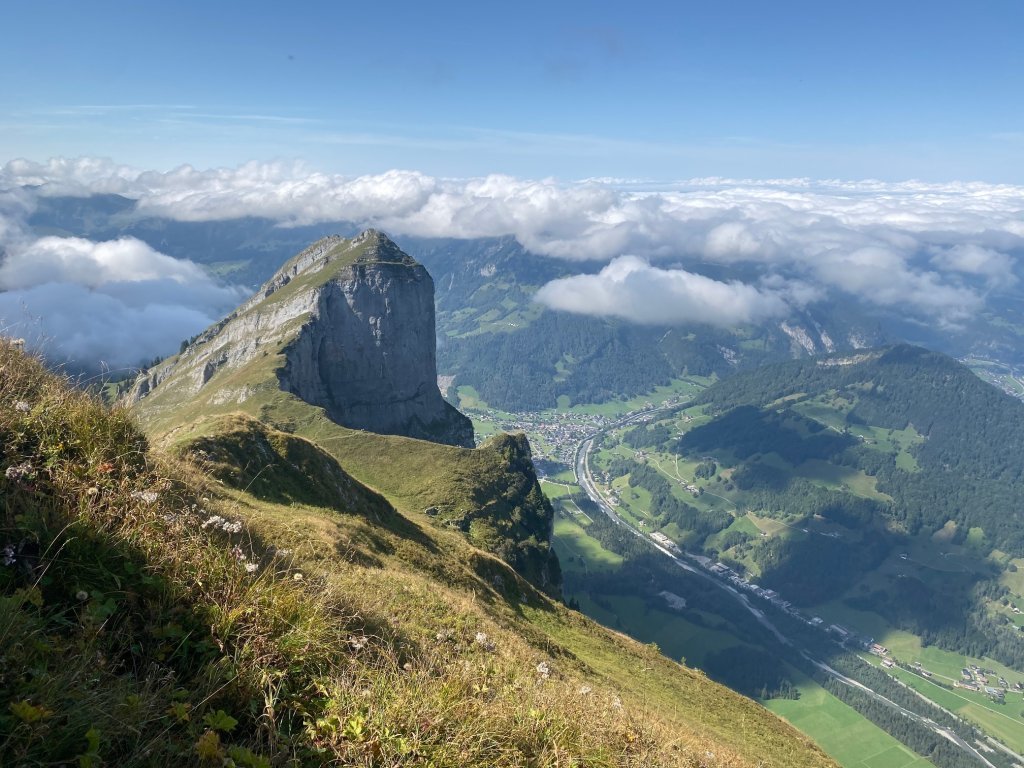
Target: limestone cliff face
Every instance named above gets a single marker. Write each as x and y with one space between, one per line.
369 358
354 321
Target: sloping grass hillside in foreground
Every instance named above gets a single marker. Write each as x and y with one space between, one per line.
153 613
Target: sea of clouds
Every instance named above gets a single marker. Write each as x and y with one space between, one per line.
936 252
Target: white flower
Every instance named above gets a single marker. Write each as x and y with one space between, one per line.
21 406
616 702
147 496
219 523
238 554
81 595
7 555
18 471
297 576
584 690
358 642
544 670
251 567
484 641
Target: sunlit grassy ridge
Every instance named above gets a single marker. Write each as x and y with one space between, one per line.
155 611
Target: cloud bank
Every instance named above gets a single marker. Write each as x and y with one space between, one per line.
631 288
933 252
115 304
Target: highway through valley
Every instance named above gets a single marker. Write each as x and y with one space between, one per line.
689 563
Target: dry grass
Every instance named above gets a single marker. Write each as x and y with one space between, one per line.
133 631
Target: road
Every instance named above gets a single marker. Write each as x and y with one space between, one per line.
585 480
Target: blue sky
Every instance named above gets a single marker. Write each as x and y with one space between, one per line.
894 90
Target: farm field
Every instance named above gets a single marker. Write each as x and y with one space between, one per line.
579 552
842 732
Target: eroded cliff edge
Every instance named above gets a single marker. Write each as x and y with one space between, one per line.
354 321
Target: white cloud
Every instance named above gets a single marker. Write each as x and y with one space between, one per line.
118 303
91 264
973 259
629 287
931 250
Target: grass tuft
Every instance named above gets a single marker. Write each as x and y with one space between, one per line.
156 610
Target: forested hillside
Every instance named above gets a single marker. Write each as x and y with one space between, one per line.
967 466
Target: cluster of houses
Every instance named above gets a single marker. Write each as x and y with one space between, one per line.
562 431
723 571
842 635
662 540
974 678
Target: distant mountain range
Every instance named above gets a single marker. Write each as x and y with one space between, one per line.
517 354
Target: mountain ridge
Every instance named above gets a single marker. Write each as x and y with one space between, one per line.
353 321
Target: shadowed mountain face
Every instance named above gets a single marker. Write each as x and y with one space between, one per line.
354 320
369 358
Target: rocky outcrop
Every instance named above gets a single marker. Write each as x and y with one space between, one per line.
354 322
369 357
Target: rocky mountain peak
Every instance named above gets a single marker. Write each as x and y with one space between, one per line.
352 324
376 246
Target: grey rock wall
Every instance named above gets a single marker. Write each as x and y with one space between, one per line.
368 356
359 341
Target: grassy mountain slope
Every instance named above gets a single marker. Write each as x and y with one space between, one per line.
162 609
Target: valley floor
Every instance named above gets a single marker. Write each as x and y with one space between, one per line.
694 634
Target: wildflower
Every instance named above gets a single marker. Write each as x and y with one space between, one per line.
616 702
21 406
544 670
297 576
238 554
585 689
81 595
444 634
251 567
19 471
483 641
358 642
216 522
92 491
147 496
7 555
